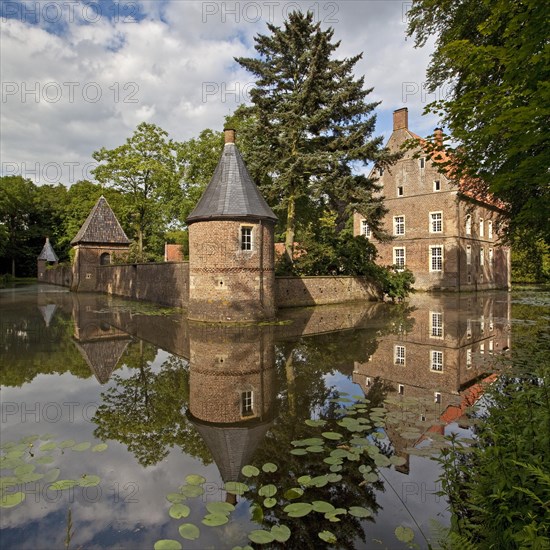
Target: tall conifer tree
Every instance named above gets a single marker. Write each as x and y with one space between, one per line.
312 125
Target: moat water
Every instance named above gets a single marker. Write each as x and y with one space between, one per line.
121 421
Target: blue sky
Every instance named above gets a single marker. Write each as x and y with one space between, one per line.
77 76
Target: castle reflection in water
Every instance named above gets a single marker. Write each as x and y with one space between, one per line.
436 349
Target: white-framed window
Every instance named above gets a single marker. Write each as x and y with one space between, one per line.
436 258
469 328
481 349
491 346
468 224
399 257
437 185
400 389
481 227
436 364
365 229
482 324
437 397
469 357
436 324
399 225
399 355
368 381
468 255
247 403
246 237
436 222
400 191
490 229
491 323
422 162
491 256
481 256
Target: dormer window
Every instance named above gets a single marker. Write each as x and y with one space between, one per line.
246 237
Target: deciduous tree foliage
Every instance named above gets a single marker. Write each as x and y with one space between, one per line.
312 124
492 56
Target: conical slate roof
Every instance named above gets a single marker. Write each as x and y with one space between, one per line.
231 193
101 226
102 356
48 253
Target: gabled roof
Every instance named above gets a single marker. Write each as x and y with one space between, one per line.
48 253
231 193
101 226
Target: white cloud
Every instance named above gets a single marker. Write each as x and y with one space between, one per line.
71 88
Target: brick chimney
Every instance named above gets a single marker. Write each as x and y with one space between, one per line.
229 135
401 119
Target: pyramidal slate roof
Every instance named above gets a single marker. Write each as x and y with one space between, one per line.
231 193
48 253
101 226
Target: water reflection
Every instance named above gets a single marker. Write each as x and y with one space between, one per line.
231 396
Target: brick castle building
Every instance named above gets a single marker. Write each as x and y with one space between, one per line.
443 233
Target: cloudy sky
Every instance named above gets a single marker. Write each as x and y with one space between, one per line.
77 76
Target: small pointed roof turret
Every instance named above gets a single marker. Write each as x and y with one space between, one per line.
101 226
48 252
231 193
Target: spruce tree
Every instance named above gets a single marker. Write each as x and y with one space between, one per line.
312 126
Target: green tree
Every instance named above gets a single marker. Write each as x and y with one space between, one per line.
145 170
492 60
312 125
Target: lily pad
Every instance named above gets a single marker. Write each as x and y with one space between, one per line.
327 536
397 460
189 531
298 509
167 544
99 448
215 520
30 477
52 475
404 534
293 493
312 441
322 507
179 510
195 479
235 487
220 507
63 484
175 497
67 443
191 490
281 533
304 480
332 435
267 490
48 446
298 452
335 467
315 423
89 481
11 499
270 502
359 512
269 467
315 449
82 447
46 459
319 481
24 469
250 471
334 478
259 536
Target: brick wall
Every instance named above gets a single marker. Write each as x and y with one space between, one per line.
310 291
61 275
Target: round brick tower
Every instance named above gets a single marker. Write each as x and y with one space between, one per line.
231 250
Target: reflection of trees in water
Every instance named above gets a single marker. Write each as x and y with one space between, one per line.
145 410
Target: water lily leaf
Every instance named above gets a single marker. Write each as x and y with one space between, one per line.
315 449
333 516
312 441
215 520
250 471
281 533
99 448
359 512
332 460
381 461
322 507
67 443
235 487
270 502
179 510
191 490
52 475
298 452
48 446
334 478
259 536
404 534
46 459
220 507
167 544
257 513
89 481
370 477
63 484
12 499
319 481
19 447
269 467
410 435
339 453
293 493
189 531
397 460
175 497
24 469
298 509
304 480
332 435
267 490
336 468
82 446
242 547
315 423
195 479
30 477
327 536
10 463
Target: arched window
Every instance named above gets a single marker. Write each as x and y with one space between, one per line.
105 259
468 224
